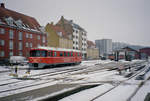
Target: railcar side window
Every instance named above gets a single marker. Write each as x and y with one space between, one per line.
71 53
68 54
43 53
55 54
78 54
61 54
51 53
65 54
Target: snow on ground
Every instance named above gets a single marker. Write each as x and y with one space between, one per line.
120 93
25 89
89 94
93 62
143 91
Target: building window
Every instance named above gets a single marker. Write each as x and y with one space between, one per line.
43 39
55 54
31 45
20 53
20 35
31 36
11 53
11 34
2 42
9 21
19 23
20 45
2 53
27 35
10 44
38 45
2 31
38 37
27 44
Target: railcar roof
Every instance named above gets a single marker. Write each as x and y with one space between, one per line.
57 49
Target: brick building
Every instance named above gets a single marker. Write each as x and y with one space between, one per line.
19 33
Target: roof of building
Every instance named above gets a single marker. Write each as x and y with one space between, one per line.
69 25
130 48
27 21
58 29
90 44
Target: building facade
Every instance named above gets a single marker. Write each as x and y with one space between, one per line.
92 51
76 33
19 33
145 50
104 46
57 37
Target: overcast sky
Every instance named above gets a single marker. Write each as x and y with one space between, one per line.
120 20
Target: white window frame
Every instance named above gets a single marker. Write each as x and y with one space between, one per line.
20 35
2 42
43 38
2 31
31 36
30 45
11 53
27 44
2 53
27 35
11 44
11 34
20 46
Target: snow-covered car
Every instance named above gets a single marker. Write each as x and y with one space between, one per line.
18 60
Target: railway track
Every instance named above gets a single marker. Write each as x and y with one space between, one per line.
119 84
47 75
39 79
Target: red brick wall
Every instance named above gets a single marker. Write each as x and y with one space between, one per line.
25 50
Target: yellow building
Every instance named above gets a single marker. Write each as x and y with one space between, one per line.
92 52
56 37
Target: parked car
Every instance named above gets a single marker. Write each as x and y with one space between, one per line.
4 62
18 60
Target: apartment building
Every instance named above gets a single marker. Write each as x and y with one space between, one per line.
19 33
105 46
57 37
76 33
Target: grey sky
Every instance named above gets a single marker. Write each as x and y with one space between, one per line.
121 20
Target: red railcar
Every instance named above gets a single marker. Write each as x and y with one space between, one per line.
49 56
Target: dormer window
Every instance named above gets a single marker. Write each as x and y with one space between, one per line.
59 33
42 29
10 21
19 23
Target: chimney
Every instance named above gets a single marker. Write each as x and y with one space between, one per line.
2 5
